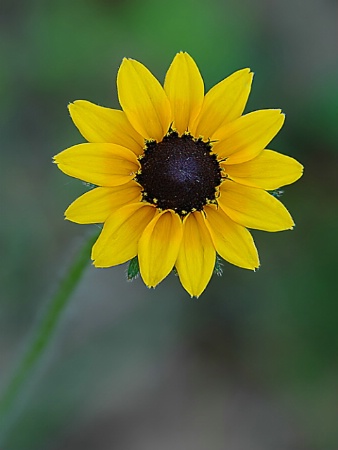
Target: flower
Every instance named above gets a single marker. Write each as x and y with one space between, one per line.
180 175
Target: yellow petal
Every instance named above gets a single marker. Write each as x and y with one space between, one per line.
143 100
197 255
243 139
98 124
232 242
224 103
96 205
269 170
101 164
185 89
158 247
253 208
119 238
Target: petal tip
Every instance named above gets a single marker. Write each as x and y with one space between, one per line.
72 105
301 169
276 111
75 105
255 265
57 159
96 262
281 116
126 60
66 215
244 70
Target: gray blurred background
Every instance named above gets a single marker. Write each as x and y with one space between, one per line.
252 364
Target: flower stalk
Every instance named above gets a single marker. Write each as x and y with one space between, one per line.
45 329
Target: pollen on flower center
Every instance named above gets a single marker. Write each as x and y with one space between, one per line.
179 173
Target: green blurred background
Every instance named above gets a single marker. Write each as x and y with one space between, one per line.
252 364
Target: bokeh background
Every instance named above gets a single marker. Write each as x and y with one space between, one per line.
253 363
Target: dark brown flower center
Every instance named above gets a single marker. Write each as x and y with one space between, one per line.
179 173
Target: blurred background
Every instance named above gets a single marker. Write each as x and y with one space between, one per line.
253 363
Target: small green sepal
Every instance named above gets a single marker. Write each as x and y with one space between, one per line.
277 193
218 269
133 269
89 185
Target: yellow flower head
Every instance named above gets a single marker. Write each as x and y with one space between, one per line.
180 175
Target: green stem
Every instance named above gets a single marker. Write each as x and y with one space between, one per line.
45 329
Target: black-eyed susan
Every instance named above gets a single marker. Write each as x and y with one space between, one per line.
180 175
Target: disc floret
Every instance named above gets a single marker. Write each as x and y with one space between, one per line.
179 173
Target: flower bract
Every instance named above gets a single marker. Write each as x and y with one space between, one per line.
179 175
